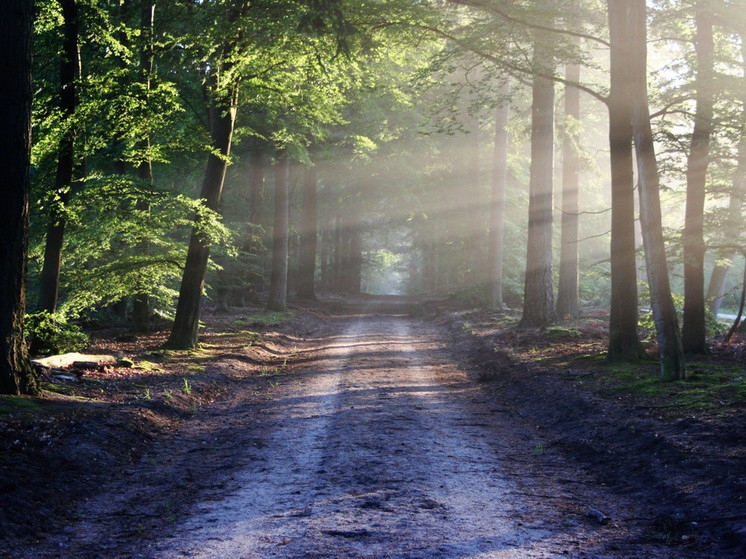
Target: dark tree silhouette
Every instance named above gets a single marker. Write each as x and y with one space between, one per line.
16 24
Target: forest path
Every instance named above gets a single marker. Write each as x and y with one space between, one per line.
370 455
379 445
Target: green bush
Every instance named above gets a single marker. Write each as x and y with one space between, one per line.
49 334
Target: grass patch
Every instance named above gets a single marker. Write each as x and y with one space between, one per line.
554 332
148 366
18 404
265 317
708 385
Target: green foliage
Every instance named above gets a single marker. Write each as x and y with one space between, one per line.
125 238
51 334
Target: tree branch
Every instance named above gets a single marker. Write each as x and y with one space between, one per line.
503 63
511 19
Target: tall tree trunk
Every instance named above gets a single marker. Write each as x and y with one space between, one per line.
734 220
497 203
253 241
472 222
355 272
664 313
278 287
69 64
339 258
693 333
184 333
308 236
257 174
567 290
16 23
222 99
538 297
624 341
141 302
733 225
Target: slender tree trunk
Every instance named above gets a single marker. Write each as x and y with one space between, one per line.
257 175
141 302
694 332
253 241
278 287
354 279
624 341
16 24
338 267
567 290
734 221
186 323
733 228
497 204
69 64
309 234
472 224
664 313
538 297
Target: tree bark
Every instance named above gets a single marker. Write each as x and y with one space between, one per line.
624 341
733 225
567 290
69 64
538 297
664 312
355 260
278 287
16 24
257 175
470 218
497 203
141 301
308 236
734 220
339 255
184 334
693 333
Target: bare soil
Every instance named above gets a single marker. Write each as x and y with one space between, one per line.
379 427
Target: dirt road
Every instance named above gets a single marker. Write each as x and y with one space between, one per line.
378 446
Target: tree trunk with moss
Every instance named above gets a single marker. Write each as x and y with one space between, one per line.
16 23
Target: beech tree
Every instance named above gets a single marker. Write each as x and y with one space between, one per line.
66 159
694 328
567 290
497 201
538 295
222 90
624 341
278 286
733 224
308 234
16 23
664 312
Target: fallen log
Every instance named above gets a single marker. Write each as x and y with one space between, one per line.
70 359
